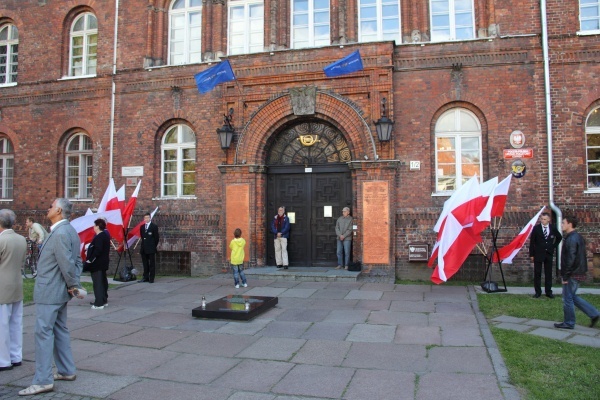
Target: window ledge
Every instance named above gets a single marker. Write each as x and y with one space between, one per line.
592 191
175 198
81 200
70 78
588 33
6 200
8 84
441 194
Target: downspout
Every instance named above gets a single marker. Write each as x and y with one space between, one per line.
553 206
113 90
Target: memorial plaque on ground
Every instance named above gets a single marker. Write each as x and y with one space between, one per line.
236 307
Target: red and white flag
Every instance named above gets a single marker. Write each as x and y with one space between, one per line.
134 234
130 207
109 200
500 194
508 252
484 218
85 226
121 198
454 248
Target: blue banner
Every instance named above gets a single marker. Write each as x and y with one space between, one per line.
207 80
346 65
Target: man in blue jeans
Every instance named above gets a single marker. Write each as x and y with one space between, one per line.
573 267
343 233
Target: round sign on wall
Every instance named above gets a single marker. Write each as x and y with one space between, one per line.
517 139
518 169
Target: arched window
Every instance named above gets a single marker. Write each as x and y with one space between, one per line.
79 167
310 23
185 32
379 20
457 149
7 166
9 52
452 20
592 139
84 45
246 26
179 162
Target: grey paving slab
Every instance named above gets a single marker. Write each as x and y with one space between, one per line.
386 317
155 389
282 284
513 327
446 297
301 293
444 359
281 349
192 368
461 336
322 352
558 334
266 291
26 370
387 356
243 328
201 325
453 320
507 318
104 331
152 337
348 316
453 308
330 294
372 305
245 375
120 360
212 344
95 384
288 329
315 380
540 323
328 331
307 315
333 304
380 286
364 295
381 385
424 335
312 285
458 386
162 320
585 340
122 315
287 303
251 396
403 296
83 349
412 306
372 333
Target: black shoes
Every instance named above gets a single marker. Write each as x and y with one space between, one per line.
6 368
143 280
594 322
562 325
285 267
537 296
280 266
549 295
17 364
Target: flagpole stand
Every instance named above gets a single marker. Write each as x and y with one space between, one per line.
488 285
121 255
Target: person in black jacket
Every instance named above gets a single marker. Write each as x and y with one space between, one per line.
97 259
544 239
150 238
573 267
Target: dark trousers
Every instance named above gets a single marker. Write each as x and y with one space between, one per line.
149 262
100 282
537 275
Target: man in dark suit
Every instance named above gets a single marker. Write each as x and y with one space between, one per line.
150 238
544 239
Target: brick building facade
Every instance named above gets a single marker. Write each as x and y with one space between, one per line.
85 96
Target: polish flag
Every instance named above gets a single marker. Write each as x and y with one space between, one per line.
134 234
85 226
121 198
484 218
454 248
109 200
508 252
500 194
130 207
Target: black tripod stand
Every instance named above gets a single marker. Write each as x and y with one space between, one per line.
488 285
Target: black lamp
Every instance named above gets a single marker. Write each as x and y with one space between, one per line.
226 132
384 124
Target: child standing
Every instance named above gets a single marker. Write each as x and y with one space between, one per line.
237 258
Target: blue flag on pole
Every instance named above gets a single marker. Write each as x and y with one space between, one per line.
346 65
207 80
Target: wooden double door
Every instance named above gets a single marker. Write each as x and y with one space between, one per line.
309 194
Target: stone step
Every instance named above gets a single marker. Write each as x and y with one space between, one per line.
303 274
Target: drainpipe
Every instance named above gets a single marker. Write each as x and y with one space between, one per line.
553 206
113 90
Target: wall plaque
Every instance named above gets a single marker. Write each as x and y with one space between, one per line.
304 100
418 252
376 224
237 211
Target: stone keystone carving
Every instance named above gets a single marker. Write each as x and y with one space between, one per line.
304 100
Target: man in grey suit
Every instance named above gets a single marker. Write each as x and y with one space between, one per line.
13 250
59 268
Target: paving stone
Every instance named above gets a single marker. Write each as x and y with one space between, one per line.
286 329
348 316
397 318
152 337
192 368
558 334
306 315
243 328
452 308
212 344
251 396
266 291
122 315
513 327
394 357
334 304
453 320
104 331
373 305
245 375
281 349
402 296
372 333
154 389
424 335
162 320
328 331
540 322
322 352
301 293
381 385
126 360
364 295
457 386
330 294
459 336
585 340
95 384
201 325
315 380
445 359
507 318
382 287
412 306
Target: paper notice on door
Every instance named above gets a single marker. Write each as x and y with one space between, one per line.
292 217
327 211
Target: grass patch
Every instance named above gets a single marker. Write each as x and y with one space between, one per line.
543 368
28 285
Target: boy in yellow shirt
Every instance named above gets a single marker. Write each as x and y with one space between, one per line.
237 258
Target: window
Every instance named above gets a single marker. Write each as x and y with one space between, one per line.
457 149
185 32
379 20
7 166
310 23
179 162
246 26
589 15
452 20
592 136
9 54
84 45
79 167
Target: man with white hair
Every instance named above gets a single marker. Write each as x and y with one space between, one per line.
343 232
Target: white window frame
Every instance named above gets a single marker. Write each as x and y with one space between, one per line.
380 18
191 36
179 147
458 135
89 59
452 12
589 5
83 158
7 168
247 31
9 76
591 130
311 25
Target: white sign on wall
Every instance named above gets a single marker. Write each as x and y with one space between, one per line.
132 171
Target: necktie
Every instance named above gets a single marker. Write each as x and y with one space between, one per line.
546 232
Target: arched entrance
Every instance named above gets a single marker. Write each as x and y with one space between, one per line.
309 175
